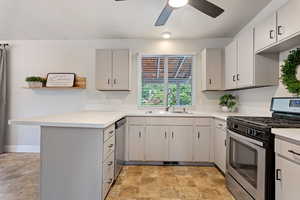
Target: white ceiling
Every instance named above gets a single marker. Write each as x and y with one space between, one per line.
91 19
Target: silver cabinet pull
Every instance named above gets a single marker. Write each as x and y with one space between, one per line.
111 132
293 152
111 145
271 34
238 77
198 135
109 181
233 78
280 30
140 134
115 81
210 81
225 143
110 163
108 81
172 135
166 134
278 175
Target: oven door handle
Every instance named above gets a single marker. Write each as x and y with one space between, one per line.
252 141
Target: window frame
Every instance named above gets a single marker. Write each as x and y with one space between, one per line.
140 70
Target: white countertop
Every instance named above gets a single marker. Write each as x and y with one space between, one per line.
288 133
99 119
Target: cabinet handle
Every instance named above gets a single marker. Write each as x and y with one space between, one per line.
210 81
280 30
109 181
198 135
108 81
233 78
111 145
238 77
115 81
225 143
278 174
172 135
140 134
110 163
271 34
111 132
293 152
166 135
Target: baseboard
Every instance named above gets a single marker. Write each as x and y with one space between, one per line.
22 148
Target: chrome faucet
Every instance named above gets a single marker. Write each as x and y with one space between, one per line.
167 106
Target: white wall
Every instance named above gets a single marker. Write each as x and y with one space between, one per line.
258 100
40 57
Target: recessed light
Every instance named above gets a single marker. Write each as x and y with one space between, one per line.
177 3
166 35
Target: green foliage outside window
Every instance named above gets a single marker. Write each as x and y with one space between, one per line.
153 94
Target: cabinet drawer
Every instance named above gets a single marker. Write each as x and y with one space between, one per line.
137 120
220 124
288 150
108 132
202 121
108 147
179 121
108 167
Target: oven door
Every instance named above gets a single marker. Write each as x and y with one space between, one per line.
246 161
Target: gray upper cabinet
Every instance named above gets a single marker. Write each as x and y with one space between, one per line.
288 23
265 33
112 69
212 68
244 69
231 65
280 31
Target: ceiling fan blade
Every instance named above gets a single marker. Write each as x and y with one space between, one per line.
164 15
207 7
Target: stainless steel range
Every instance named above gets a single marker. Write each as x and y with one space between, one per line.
250 151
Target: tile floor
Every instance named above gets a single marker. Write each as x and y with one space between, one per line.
19 180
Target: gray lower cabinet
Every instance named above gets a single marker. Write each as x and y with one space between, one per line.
76 163
157 141
287 169
136 143
181 143
220 144
202 144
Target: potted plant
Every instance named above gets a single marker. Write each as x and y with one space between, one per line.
35 81
228 102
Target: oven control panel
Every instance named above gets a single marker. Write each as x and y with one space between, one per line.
246 130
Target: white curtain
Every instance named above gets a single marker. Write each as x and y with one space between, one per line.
3 95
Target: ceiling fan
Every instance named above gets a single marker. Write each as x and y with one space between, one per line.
204 6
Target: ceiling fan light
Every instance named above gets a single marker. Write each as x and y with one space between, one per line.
177 3
166 35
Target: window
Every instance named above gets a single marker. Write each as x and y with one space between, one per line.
166 78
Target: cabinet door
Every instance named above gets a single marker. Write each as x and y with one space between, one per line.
212 69
288 23
121 69
201 147
245 75
231 65
180 145
136 143
265 33
220 148
157 143
103 71
288 187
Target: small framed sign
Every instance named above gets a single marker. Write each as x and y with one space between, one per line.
60 80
